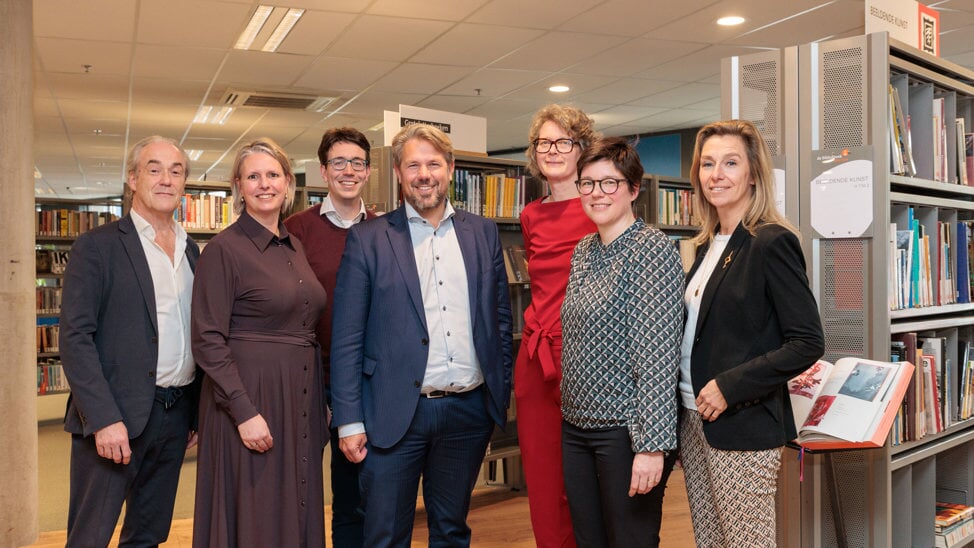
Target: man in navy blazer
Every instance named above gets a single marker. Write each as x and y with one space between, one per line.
421 349
125 346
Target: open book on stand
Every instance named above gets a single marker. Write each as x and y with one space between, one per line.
848 405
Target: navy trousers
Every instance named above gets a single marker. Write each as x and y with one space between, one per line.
445 444
346 515
147 484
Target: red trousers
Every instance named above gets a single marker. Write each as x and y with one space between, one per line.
539 436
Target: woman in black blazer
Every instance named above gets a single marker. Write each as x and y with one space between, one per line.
752 324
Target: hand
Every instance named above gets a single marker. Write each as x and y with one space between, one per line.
647 469
711 402
354 447
194 438
255 435
112 443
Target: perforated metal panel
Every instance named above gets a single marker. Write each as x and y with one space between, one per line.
844 297
759 100
843 98
851 471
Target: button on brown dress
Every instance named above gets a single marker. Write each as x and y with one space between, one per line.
256 302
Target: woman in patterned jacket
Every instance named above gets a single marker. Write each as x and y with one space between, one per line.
621 320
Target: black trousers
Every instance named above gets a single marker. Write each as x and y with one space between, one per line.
147 484
597 465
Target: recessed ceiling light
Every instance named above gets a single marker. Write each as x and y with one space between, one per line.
559 89
283 29
730 21
194 154
377 127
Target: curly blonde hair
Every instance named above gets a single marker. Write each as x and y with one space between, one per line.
576 124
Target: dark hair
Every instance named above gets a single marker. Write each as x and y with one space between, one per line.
337 135
622 155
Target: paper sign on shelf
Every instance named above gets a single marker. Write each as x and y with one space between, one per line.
467 133
841 192
907 21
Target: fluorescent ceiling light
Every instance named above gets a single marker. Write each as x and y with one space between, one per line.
559 89
283 28
206 115
377 127
220 116
257 21
202 115
194 154
730 21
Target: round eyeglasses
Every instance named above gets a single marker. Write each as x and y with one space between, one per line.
340 163
608 186
563 146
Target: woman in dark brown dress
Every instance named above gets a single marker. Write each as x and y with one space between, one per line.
262 415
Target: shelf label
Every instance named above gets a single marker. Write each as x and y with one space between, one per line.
907 21
841 192
467 133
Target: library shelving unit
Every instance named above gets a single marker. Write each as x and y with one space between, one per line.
884 497
57 224
206 209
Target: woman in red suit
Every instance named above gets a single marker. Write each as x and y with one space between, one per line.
552 226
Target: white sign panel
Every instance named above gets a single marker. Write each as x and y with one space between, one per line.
842 192
907 21
467 133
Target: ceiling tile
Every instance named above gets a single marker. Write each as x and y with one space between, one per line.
626 90
446 10
260 71
452 103
386 38
557 51
579 83
636 55
315 31
681 96
474 45
538 14
194 23
495 82
86 20
374 102
695 66
420 78
344 74
166 90
66 55
95 87
620 115
156 61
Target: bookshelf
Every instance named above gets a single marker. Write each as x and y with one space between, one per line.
56 224
887 496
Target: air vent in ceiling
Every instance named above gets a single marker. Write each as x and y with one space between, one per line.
235 98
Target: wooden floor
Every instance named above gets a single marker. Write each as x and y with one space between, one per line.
498 518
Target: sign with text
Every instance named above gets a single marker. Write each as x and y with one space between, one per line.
907 21
468 133
841 193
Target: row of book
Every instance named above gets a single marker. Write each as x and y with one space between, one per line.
205 211
48 299
675 207
488 194
931 262
953 525
943 150
68 223
48 338
50 377
942 390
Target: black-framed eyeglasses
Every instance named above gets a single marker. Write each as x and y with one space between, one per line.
608 186
563 146
339 163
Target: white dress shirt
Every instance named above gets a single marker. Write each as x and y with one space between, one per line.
329 212
172 282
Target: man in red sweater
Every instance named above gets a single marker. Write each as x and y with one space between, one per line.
345 159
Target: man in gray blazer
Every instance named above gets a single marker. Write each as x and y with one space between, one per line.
125 346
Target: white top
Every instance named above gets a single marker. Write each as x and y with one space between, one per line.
692 297
172 283
329 212
452 364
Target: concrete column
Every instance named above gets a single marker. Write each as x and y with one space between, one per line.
18 377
